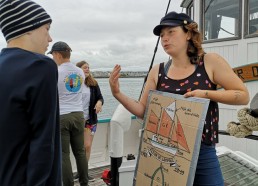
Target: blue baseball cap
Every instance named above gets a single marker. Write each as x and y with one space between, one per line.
172 19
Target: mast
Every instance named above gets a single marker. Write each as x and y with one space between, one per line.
157 132
153 57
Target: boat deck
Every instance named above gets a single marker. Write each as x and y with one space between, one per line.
236 171
96 173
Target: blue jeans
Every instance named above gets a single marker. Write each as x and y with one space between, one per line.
208 170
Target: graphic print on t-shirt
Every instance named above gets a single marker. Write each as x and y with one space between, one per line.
73 83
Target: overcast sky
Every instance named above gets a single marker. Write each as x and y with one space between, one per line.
108 32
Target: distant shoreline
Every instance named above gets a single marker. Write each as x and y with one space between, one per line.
124 74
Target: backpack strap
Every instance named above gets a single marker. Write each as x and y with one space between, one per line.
163 68
167 65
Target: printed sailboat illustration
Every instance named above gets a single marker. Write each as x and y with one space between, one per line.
168 131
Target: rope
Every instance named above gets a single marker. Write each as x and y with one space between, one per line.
246 119
247 124
238 130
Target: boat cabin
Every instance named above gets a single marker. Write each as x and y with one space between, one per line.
230 28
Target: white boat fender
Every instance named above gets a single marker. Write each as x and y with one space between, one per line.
120 122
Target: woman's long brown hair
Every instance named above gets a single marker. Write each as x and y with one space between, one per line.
194 51
89 81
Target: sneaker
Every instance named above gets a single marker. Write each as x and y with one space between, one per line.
91 179
76 177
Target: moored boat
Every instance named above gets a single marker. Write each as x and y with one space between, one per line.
230 28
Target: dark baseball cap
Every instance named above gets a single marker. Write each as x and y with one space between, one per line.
172 19
60 46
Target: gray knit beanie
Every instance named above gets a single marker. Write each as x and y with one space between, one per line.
18 17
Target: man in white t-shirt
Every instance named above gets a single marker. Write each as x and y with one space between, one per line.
70 83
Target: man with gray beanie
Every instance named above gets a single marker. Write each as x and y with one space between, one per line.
30 148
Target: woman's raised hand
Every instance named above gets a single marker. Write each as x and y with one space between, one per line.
113 80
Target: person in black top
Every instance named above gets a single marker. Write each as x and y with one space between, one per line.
191 73
30 147
92 105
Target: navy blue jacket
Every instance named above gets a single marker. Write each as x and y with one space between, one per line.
30 150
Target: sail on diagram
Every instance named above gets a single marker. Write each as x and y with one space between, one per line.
167 127
168 151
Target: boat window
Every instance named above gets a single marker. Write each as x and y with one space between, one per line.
252 17
221 19
190 10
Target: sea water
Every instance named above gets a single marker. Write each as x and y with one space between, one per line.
130 86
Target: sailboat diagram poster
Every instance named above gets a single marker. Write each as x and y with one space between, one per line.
170 141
